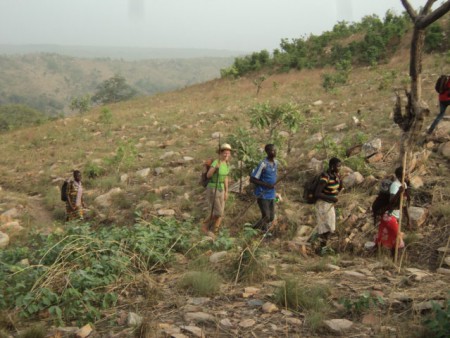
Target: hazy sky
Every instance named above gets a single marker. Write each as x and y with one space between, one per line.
246 25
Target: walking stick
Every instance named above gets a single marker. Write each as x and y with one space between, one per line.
397 241
215 190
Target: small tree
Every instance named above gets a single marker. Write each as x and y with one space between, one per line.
284 117
113 90
82 104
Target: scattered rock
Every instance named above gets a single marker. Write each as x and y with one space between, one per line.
338 325
371 320
333 267
400 296
374 158
447 260
340 127
11 228
354 274
217 257
134 319
247 323
11 213
255 302
4 240
158 171
226 322
143 172
443 271
316 165
216 135
427 305
24 262
166 155
294 321
105 199
199 300
198 317
315 138
318 103
416 182
444 149
269 308
166 212
417 215
84 331
371 147
196 331
418 274
124 178
352 179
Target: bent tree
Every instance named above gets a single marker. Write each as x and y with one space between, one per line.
412 121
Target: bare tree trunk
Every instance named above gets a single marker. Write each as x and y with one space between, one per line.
413 119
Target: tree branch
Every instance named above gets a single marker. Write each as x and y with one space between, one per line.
434 15
412 13
427 7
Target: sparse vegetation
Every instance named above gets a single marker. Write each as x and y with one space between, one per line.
201 283
128 259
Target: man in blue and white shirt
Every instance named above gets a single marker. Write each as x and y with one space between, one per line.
264 176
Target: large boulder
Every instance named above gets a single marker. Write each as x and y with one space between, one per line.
352 179
417 215
444 150
105 199
371 147
4 240
316 165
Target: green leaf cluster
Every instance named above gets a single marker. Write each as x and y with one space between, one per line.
71 275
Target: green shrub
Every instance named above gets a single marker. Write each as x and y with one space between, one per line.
93 260
33 332
201 283
297 296
364 302
438 323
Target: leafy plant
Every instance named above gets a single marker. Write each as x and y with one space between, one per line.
105 116
92 261
125 156
438 323
93 170
363 303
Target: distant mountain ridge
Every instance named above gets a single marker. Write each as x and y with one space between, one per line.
49 82
125 53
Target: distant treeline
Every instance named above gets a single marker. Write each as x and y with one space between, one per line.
369 42
49 82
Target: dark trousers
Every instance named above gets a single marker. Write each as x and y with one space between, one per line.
267 208
443 107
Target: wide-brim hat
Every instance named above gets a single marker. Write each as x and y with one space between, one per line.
225 146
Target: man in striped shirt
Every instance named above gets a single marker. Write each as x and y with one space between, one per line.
327 190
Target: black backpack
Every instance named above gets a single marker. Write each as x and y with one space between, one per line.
64 188
441 84
310 187
382 202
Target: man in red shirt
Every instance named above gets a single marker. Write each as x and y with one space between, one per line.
444 101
